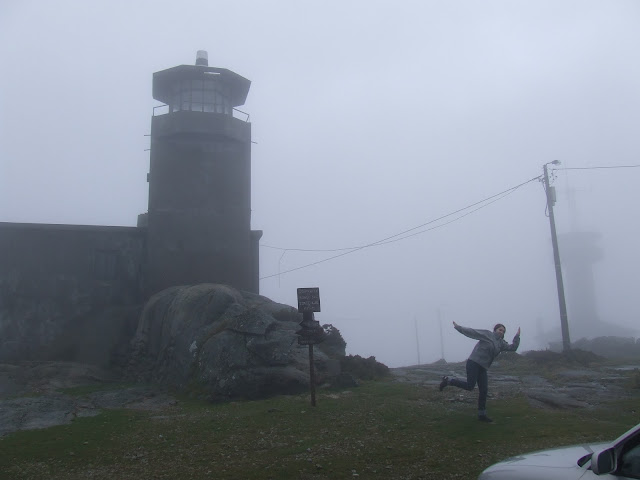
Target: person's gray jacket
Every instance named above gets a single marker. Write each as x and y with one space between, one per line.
489 345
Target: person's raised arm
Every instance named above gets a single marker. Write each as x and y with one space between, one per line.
514 345
472 332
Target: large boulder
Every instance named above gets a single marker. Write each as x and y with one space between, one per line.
214 340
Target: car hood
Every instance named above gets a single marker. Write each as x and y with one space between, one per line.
558 463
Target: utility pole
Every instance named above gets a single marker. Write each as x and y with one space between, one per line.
441 336
566 342
415 322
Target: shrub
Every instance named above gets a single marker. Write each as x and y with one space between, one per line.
364 368
333 344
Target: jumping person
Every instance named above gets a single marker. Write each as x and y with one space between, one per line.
489 346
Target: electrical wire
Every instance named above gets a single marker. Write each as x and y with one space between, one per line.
507 191
597 168
446 223
402 235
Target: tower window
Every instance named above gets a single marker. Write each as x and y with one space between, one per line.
200 96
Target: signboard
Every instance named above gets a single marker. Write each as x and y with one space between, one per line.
308 340
310 325
309 299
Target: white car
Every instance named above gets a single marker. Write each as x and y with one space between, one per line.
619 459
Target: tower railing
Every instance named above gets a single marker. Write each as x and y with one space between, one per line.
164 106
164 109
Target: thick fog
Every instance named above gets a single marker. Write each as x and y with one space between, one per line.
369 119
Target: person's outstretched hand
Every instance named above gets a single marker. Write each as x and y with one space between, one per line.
455 325
518 333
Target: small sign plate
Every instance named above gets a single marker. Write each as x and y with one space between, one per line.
309 299
310 324
308 340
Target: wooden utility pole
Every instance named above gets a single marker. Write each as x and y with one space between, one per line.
441 336
415 322
312 377
564 324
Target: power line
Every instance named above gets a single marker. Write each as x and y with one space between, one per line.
307 249
501 194
402 235
383 242
596 168
447 223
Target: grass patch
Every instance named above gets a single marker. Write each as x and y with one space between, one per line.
380 430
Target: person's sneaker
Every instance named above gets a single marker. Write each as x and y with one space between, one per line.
444 383
484 418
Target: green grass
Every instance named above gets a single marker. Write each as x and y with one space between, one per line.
380 430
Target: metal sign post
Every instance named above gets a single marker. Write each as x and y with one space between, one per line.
311 331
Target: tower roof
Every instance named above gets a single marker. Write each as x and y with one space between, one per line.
165 79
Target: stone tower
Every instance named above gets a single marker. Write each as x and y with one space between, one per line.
199 217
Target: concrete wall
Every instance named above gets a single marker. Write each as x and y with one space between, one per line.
200 202
52 274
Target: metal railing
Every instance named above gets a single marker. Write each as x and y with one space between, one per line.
161 106
247 117
244 113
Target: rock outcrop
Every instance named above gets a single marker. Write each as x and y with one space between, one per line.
219 342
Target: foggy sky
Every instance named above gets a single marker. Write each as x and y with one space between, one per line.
370 118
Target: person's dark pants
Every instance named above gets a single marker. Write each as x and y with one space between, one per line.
475 374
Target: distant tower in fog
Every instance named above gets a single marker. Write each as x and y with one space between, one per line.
199 218
580 252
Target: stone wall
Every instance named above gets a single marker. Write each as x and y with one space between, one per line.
53 276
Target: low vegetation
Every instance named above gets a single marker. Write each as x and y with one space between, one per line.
364 368
379 430
546 362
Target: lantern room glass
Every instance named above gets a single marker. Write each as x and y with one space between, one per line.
200 96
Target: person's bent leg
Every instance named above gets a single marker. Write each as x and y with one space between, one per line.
472 377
